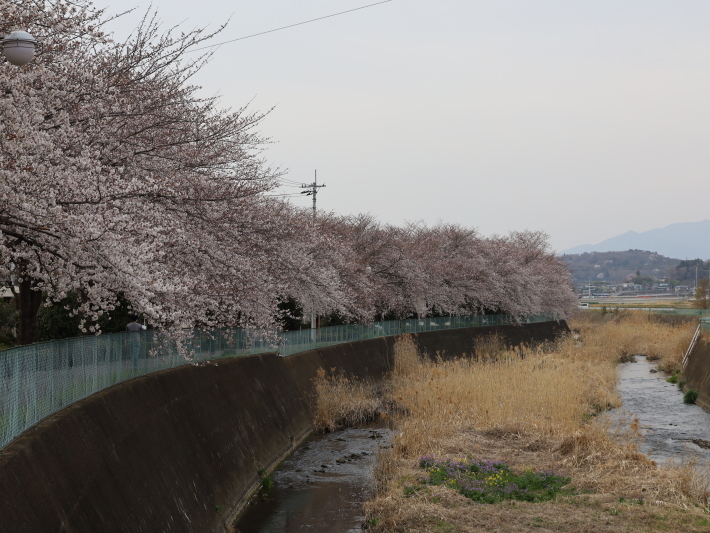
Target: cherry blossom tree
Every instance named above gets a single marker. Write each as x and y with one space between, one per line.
447 268
117 179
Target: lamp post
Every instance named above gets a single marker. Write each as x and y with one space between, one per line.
19 47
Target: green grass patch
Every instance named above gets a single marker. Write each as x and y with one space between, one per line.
690 396
444 527
490 481
266 481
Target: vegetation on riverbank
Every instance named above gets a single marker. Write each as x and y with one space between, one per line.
622 335
343 402
532 409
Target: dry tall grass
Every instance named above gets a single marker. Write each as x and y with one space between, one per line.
489 348
342 402
532 409
635 333
407 358
541 392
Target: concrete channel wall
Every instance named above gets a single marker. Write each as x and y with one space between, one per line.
697 373
180 450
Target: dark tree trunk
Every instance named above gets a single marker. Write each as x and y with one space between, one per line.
28 302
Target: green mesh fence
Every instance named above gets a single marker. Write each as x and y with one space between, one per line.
40 379
656 310
683 312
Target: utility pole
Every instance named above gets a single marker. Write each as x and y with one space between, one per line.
312 190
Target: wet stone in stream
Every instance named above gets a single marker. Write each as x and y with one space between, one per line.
321 487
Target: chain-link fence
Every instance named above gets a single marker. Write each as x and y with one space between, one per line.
40 379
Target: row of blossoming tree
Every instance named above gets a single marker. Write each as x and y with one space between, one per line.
120 182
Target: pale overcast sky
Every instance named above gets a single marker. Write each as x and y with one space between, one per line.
582 119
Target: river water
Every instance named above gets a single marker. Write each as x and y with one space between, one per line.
671 428
321 487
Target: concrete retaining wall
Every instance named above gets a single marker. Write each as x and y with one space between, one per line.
178 451
697 373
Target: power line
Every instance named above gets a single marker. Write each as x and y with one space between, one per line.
285 195
291 25
285 182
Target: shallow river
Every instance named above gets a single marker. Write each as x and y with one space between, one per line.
669 425
321 487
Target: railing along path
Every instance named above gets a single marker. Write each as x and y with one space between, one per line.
38 380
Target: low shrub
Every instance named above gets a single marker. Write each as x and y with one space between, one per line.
690 396
490 481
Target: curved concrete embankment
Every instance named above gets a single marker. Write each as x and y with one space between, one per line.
178 451
697 373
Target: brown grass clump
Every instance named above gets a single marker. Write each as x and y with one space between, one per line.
534 409
539 394
489 348
630 333
407 358
342 402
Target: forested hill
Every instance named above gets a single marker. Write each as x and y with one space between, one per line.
615 266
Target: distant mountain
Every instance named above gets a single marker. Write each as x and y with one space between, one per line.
685 240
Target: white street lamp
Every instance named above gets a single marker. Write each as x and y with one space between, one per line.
19 47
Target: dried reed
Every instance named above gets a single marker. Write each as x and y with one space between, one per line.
533 409
636 333
542 393
341 402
